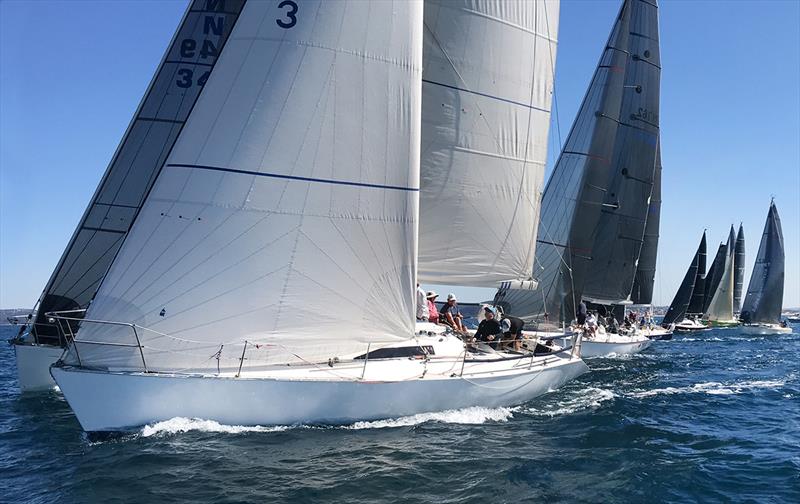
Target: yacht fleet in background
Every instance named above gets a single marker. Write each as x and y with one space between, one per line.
254 214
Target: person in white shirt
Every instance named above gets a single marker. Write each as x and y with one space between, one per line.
422 305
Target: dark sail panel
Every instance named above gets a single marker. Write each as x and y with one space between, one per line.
698 293
575 192
619 236
646 270
738 270
764 299
677 309
145 146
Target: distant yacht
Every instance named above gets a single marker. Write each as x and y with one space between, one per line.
761 312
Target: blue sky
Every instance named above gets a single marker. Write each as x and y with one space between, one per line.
72 74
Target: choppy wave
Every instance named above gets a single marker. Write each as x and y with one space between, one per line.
712 388
179 425
470 416
588 398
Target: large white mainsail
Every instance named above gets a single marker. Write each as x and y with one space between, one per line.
486 94
286 213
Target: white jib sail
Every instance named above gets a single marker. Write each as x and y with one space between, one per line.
721 307
486 93
286 214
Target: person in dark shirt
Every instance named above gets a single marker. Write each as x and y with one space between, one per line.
451 315
489 329
512 331
581 316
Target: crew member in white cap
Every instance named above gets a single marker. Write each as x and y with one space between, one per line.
433 313
452 315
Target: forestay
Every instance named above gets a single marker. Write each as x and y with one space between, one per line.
286 213
151 134
486 94
764 299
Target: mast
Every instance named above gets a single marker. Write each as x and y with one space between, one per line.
680 304
486 95
288 206
738 270
764 300
604 175
171 95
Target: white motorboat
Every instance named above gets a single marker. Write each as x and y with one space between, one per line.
688 325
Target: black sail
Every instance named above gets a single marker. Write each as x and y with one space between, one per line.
680 304
599 167
738 270
714 275
139 157
646 269
698 292
764 299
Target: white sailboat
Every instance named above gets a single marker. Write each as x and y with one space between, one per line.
720 309
269 277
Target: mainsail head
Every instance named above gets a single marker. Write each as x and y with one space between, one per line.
286 213
486 93
764 299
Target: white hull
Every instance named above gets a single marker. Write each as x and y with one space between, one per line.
687 325
764 329
612 344
33 366
290 395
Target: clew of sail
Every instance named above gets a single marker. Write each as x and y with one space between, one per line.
764 299
486 94
286 213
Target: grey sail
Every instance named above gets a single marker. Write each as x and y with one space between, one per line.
714 276
607 161
698 292
150 136
646 270
680 304
721 306
764 299
738 270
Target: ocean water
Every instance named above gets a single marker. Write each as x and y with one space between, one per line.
710 417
